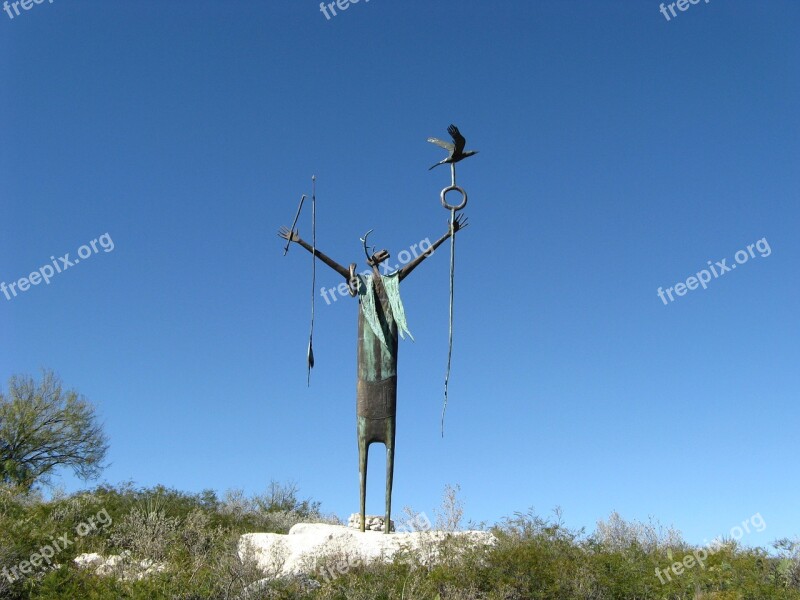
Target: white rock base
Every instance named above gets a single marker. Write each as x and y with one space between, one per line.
308 546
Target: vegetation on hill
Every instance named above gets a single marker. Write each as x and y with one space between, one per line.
45 428
194 536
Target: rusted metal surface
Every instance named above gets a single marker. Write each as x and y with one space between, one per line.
377 399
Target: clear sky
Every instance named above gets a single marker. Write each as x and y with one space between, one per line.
619 152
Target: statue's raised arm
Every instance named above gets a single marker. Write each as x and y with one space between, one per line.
294 236
459 223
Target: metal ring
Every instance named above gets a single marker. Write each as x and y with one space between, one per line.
454 188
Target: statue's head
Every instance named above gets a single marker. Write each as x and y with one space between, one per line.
377 258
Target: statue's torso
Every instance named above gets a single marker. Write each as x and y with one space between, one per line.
376 394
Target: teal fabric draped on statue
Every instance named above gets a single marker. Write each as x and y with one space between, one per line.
366 291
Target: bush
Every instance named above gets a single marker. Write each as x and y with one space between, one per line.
195 536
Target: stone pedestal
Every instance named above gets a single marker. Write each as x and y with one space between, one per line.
309 545
374 522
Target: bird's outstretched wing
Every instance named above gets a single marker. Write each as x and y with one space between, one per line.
458 139
446 145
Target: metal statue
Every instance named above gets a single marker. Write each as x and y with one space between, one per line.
380 319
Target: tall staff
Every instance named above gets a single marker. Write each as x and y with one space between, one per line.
456 153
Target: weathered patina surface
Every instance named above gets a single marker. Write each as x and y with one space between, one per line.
376 391
376 387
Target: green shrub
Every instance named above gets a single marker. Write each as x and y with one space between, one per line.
195 537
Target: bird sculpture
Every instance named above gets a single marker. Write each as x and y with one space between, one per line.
456 149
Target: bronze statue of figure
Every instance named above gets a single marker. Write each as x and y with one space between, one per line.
380 313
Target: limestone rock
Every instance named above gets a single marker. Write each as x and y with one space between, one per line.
374 522
122 565
327 550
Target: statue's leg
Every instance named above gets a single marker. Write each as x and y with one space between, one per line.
390 431
363 450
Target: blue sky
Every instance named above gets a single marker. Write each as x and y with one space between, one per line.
619 152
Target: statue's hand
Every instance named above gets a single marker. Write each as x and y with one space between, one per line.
291 236
459 223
